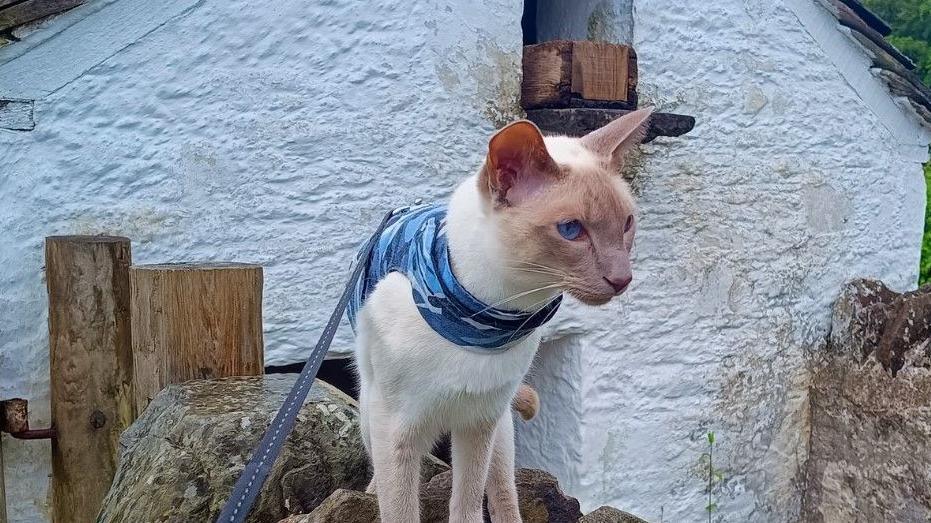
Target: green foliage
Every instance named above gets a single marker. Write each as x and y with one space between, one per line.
919 51
907 17
715 476
911 29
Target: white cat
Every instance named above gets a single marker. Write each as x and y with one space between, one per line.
543 216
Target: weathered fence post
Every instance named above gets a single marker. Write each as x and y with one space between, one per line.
91 367
2 486
193 321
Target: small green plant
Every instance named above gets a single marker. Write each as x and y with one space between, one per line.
715 477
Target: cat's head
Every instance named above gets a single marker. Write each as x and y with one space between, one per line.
562 211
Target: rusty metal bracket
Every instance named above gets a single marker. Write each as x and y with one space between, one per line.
14 420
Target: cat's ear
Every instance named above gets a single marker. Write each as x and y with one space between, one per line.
615 140
518 165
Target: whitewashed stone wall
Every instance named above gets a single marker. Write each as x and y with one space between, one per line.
209 130
231 130
797 177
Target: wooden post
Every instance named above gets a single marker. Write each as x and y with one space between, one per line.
563 74
91 367
2 486
194 321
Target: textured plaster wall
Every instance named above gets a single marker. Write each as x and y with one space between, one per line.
789 185
278 135
275 134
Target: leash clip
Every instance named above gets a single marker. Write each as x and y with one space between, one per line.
402 210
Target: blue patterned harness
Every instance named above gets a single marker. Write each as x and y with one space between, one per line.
414 243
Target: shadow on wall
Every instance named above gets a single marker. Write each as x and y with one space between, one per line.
595 20
553 440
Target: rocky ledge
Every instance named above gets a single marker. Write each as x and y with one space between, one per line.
870 399
179 460
541 500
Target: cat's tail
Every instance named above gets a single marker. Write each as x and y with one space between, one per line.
526 402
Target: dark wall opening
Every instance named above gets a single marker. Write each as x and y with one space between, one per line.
337 372
528 22
597 20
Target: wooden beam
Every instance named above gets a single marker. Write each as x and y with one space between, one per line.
599 70
547 75
849 19
874 21
561 73
900 80
580 121
37 67
91 367
4 3
30 10
3 518
900 86
194 321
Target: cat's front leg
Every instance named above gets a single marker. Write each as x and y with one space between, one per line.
500 486
397 451
471 454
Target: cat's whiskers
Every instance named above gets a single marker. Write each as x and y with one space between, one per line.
578 287
537 271
542 304
551 285
536 265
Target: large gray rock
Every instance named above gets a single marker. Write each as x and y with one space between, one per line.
870 397
610 515
179 460
872 320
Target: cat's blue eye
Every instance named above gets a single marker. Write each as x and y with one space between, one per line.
570 230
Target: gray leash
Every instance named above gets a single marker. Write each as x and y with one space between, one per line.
250 482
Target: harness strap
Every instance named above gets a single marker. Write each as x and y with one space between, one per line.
253 477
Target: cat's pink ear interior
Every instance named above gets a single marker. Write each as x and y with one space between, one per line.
613 141
518 165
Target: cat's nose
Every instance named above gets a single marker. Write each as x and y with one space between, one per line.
619 284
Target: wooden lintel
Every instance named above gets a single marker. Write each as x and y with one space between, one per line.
579 121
